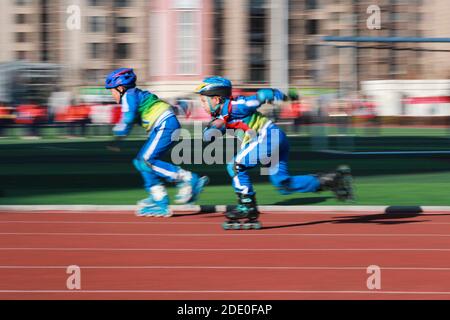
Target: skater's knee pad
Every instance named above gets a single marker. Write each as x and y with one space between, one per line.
282 184
142 165
231 170
279 181
234 168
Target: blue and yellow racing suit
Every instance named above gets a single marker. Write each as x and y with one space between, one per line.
263 143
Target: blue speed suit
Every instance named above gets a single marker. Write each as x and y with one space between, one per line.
264 143
157 117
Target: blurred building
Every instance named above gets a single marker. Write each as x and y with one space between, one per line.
29 31
328 66
247 33
172 44
112 34
436 23
180 45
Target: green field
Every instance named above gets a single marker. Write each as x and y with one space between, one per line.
59 171
55 133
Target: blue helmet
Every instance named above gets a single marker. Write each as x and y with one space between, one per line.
121 77
215 86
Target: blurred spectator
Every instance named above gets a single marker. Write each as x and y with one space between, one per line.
404 104
364 111
78 117
297 110
58 103
340 111
6 117
32 116
105 114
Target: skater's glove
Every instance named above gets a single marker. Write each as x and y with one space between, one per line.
211 134
270 95
215 129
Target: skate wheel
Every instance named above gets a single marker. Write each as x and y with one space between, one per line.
227 226
237 226
247 226
257 226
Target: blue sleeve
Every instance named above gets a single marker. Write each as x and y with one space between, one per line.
270 95
243 107
130 105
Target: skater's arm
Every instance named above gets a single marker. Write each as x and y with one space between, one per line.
244 106
216 128
270 95
129 109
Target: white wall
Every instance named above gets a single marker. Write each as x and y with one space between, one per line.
6 26
388 95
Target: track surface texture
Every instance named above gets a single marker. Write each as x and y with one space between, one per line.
298 255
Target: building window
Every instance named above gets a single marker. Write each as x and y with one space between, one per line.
186 4
22 2
21 37
97 50
311 4
219 34
96 3
124 25
187 42
97 24
312 27
21 19
258 34
311 52
94 75
122 3
21 55
123 51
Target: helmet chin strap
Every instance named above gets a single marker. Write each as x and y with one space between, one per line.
121 92
213 110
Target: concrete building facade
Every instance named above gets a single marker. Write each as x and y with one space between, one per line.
173 44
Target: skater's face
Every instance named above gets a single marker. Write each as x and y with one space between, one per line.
116 94
209 103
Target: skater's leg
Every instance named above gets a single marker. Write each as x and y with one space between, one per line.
287 184
190 185
246 214
240 178
279 170
247 211
150 180
339 182
157 204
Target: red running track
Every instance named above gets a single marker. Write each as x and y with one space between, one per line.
189 257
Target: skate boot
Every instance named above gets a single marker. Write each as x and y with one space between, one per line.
244 216
339 182
157 205
190 188
148 202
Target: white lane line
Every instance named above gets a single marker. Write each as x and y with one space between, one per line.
228 235
120 209
373 292
223 268
217 250
177 215
172 222
117 222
